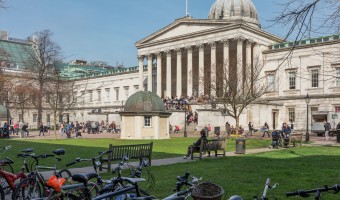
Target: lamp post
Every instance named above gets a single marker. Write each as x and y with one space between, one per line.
307 99
185 118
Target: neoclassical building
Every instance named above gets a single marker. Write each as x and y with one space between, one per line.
185 57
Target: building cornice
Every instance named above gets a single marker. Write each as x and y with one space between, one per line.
302 47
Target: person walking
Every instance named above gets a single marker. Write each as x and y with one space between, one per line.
265 129
41 129
16 128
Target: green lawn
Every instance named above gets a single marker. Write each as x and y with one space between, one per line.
296 168
87 148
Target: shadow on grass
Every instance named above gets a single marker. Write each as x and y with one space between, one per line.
301 168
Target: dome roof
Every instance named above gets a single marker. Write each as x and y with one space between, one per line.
234 9
144 102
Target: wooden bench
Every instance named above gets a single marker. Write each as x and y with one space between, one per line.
207 146
135 151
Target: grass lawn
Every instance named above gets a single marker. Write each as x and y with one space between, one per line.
295 168
87 148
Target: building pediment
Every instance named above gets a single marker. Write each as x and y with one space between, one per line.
181 28
187 29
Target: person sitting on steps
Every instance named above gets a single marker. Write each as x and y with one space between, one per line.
176 129
196 144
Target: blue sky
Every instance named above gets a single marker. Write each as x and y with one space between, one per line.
106 30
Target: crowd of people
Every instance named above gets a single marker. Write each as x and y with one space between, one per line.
181 103
14 129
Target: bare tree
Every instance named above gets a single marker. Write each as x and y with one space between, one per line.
302 18
235 89
2 4
42 59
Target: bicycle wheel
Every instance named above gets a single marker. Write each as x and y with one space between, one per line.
27 189
62 196
7 167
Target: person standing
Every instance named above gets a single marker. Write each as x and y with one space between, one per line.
16 128
250 128
41 129
327 126
62 129
6 131
227 128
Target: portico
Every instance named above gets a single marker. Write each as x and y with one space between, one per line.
196 56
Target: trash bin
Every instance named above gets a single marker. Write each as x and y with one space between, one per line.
338 136
240 146
217 130
207 190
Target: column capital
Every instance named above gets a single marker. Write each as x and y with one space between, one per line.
140 58
225 42
188 48
248 44
149 56
178 51
239 38
168 52
200 45
158 54
212 44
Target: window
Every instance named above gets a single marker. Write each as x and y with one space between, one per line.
315 78
271 82
99 94
107 91
136 88
60 118
314 109
117 94
48 118
60 99
337 76
90 96
291 114
337 108
147 121
292 80
126 92
35 116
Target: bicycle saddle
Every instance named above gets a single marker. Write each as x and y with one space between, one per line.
84 178
29 150
59 152
134 180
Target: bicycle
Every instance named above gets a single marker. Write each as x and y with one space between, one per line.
5 164
317 191
8 178
264 194
178 195
35 185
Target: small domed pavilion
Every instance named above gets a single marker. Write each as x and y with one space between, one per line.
145 117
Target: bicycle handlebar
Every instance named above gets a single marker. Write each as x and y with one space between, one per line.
87 159
306 193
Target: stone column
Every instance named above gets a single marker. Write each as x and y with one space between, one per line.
213 81
239 64
140 72
179 73
159 74
168 73
201 69
189 71
149 73
226 61
248 61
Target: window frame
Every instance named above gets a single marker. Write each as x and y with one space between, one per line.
292 80
271 84
291 114
337 78
148 121
314 80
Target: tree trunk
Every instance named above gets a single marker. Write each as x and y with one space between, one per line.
55 125
237 119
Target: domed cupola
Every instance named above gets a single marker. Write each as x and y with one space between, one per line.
234 10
